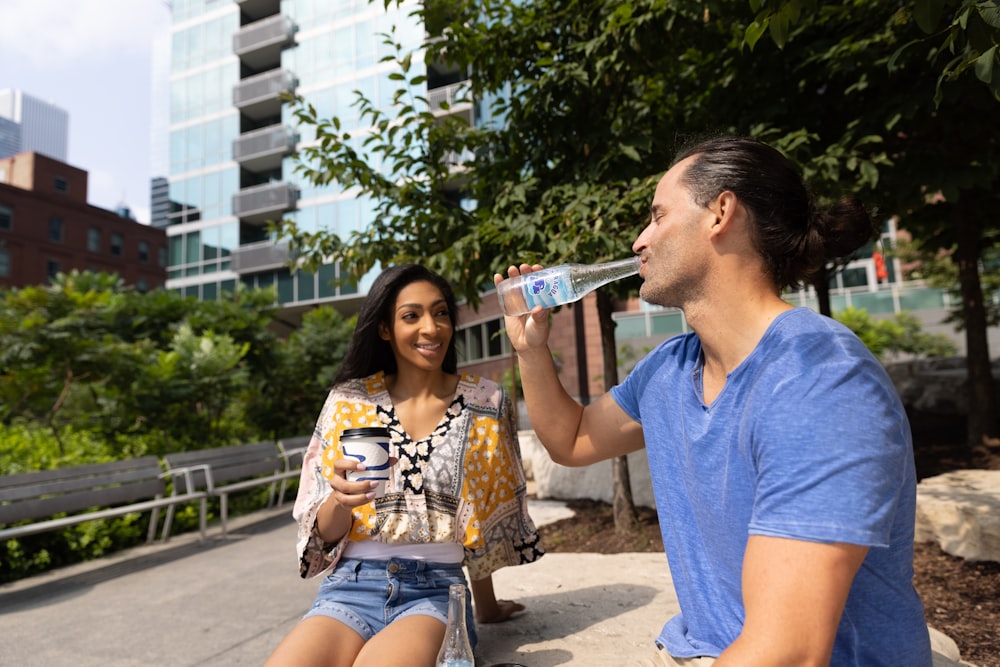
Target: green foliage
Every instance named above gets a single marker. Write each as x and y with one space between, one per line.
92 371
900 335
938 269
288 399
27 446
958 35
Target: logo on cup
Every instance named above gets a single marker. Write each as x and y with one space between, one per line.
375 459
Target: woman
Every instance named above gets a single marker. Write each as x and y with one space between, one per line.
456 494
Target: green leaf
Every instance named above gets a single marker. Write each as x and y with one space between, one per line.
990 13
984 65
754 32
779 29
631 152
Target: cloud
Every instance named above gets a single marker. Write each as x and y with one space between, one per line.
52 33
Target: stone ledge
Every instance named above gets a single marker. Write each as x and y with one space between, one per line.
960 511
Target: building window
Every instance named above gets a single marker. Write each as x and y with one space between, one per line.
4 263
163 256
61 184
55 229
94 239
116 244
144 251
6 217
482 342
52 268
142 285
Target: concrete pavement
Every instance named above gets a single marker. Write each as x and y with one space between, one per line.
230 601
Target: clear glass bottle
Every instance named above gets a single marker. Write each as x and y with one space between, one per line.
456 651
560 285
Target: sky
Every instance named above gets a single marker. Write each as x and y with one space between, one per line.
104 62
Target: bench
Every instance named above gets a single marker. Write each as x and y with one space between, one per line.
294 451
221 471
89 492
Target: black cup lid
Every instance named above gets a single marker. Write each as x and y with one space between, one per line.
367 432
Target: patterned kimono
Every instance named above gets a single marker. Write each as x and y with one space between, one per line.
463 483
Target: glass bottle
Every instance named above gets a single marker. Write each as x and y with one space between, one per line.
560 285
456 651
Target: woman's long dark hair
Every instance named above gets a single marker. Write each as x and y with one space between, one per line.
368 352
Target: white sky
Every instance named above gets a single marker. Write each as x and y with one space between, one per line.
104 62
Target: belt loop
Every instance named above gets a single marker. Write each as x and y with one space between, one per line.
347 568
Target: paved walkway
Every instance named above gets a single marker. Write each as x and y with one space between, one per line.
230 601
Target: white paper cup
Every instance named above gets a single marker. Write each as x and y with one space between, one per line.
369 446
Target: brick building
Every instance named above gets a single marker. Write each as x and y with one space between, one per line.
575 342
47 227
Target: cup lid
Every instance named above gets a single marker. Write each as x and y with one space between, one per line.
367 432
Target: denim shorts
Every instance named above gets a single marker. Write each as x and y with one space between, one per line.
368 595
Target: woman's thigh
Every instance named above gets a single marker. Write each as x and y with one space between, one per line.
411 641
318 641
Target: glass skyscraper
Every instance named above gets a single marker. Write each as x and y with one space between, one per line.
233 139
30 124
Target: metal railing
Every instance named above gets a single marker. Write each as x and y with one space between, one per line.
265 141
272 31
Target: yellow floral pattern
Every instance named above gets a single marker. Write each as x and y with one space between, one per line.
463 483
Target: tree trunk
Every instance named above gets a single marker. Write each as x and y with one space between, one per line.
623 506
980 421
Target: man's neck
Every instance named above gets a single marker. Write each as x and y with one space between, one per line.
732 327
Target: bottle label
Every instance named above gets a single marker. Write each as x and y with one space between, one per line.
548 288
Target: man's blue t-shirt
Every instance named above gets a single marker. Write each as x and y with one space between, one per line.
807 440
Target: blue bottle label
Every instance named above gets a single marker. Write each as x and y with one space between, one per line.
548 288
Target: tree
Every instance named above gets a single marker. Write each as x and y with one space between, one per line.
587 101
917 70
287 400
967 39
94 360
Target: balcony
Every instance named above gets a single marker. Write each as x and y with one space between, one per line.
257 96
261 203
259 44
258 257
452 95
255 9
263 149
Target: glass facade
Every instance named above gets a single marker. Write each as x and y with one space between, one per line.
218 97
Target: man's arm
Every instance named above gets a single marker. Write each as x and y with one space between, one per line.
794 594
572 434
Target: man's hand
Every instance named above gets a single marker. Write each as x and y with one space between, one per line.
529 331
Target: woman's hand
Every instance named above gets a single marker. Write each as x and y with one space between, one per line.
485 604
347 493
334 517
503 610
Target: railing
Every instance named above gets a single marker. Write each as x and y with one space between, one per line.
266 86
263 200
449 95
276 30
257 257
265 141
888 300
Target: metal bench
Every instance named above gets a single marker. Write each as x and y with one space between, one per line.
221 471
293 450
89 492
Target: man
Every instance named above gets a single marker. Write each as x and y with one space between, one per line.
780 453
